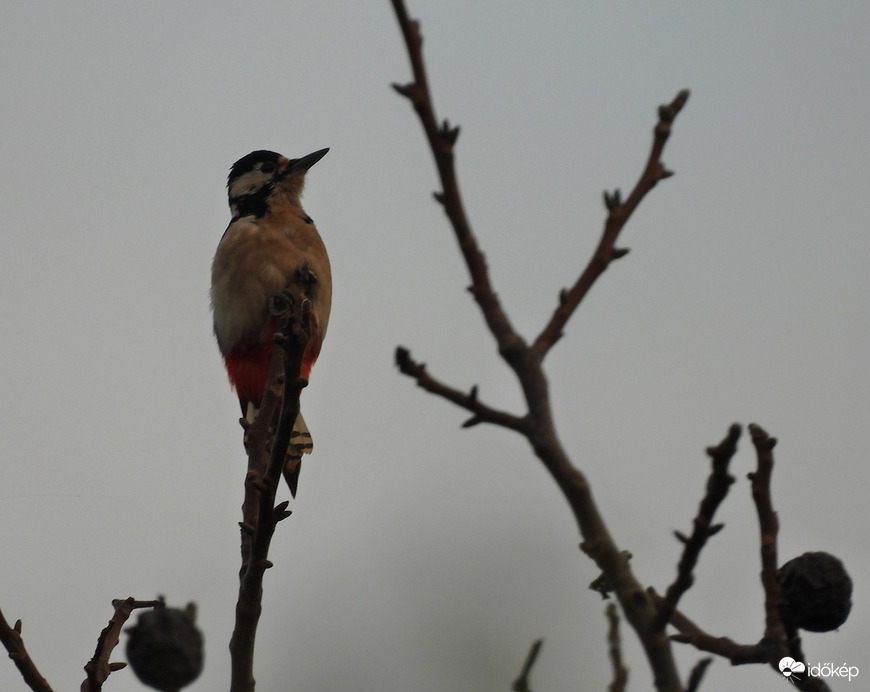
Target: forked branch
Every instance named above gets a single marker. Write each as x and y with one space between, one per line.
775 643
526 361
647 612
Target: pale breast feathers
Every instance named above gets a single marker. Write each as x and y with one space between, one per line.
247 269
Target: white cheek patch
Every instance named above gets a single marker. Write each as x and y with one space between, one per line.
247 184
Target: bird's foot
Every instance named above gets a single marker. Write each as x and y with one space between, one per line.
281 303
292 314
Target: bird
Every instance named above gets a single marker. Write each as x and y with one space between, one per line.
270 245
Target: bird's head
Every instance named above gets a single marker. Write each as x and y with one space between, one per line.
254 179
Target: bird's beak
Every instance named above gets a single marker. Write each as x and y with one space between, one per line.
306 162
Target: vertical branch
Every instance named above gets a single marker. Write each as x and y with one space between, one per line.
614 646
258 436
776 641
266 458
774 630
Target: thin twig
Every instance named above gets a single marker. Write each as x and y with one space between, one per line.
737 654
614 647
467 400
717 488
776 640
618 214
690 633
697 674
774 630
99 668
441 142
522 683
14 644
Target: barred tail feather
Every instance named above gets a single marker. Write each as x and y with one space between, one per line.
300 443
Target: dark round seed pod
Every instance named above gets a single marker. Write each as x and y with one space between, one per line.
816 592
165 648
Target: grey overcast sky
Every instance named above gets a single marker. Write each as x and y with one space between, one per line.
421 556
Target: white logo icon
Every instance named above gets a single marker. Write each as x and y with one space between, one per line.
790 668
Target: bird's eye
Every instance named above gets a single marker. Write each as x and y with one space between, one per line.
267 167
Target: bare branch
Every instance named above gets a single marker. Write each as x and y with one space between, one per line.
717 488
690 633
776 642
618 214
266 457
521 684
538 425
467 400
614 646
727 648
14 644
738 654
441 142
99 668
774 630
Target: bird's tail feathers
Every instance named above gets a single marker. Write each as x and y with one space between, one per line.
300 443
